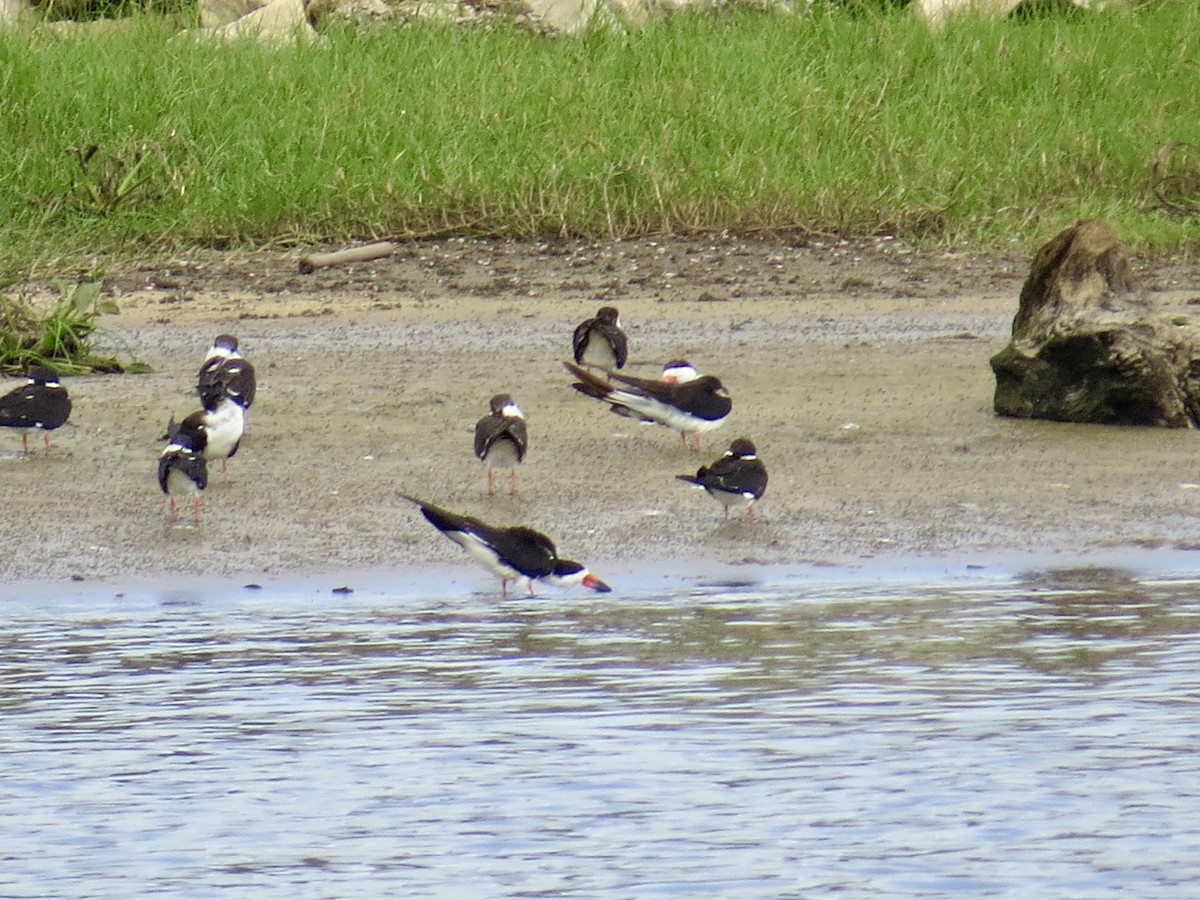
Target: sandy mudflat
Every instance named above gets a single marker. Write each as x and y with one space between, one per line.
859 369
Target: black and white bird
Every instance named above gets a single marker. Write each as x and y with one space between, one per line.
674 372
41 402
679 370
513 553
600 342
501 440
226 370
182 468
738 478
224 420
691 406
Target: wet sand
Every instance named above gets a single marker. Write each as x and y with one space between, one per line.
859 369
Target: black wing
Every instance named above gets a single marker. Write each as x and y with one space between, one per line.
234 378
589 384
187 462
598 330
733 475
444 520
529 552
494 428
35 406
620 345
704 397
662 391
579 340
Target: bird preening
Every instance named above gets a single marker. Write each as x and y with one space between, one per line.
226 386
41 402
511 553
677 371
225 371
738 478
682 399
600 342
690 405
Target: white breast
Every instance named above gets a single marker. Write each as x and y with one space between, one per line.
224 426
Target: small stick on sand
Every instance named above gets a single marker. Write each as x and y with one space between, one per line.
310 262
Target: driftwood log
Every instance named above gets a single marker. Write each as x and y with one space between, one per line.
1087 347
310 262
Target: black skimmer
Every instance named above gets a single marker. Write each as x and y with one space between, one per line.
510 553
738 478
674 372
501 439
226 370
41 402
224 421
691 406
182 468
679 370
600 343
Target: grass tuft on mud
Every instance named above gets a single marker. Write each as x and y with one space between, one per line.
62 337
990 132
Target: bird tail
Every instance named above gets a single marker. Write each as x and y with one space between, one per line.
441 519
589 384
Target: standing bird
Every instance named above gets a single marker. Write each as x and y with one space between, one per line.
501 440
738 478
225 369
600 343
42 402
182 468
510 553
224 421
678 371
690 406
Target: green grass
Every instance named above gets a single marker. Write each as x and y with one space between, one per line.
61 337
989 133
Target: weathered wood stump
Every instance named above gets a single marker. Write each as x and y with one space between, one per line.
1087 347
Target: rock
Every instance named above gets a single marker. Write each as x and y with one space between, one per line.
571 17
90 28
936 12
324 12
444 12
215 13
279 22
14 12
575 17
1087 347
61 10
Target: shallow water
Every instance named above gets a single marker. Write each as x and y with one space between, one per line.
793 734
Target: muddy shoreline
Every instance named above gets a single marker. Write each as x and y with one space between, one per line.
859 368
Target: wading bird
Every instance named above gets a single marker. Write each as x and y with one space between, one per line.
513 553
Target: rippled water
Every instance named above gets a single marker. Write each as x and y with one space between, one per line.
1029 735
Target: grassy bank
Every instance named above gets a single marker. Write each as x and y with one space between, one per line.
987 133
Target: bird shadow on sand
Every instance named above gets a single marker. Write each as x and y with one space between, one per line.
183 531
741 529
32 456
